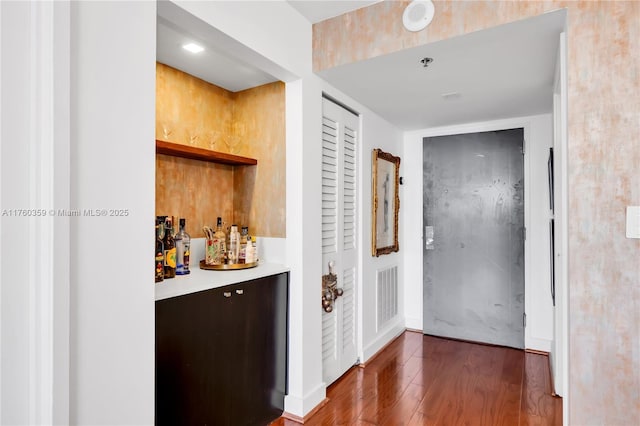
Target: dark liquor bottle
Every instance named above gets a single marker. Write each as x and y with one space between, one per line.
183 246
169 249
159 252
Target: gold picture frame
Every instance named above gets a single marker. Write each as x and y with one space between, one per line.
385 179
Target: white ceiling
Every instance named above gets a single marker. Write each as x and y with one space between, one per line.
502 72
320 10
212 65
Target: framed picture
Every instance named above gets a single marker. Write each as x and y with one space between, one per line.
385 177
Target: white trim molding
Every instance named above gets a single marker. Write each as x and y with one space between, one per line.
36 134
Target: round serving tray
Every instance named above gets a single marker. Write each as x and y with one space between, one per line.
226 267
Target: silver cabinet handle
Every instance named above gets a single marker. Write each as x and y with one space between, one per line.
227 294
239 291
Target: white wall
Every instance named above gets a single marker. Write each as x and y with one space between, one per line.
538 303
538 306
14 193
375 132
304 109
112 167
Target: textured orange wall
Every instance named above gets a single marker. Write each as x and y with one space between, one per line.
249 123
194 190
604 172
191 111
260 199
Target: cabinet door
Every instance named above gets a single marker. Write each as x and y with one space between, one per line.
260 340
192 353
221 355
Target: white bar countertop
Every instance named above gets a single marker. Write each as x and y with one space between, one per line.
200 279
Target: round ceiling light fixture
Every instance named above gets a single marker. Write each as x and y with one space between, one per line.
417 15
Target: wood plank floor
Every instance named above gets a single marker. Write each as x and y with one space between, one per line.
425 380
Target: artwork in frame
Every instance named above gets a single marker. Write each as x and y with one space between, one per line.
385 177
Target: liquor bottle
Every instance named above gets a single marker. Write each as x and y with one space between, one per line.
177 239
254 249
234 244
219 243
183 246
159 252
242 251
248 251
169 249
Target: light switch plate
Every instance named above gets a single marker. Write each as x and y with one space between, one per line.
633 221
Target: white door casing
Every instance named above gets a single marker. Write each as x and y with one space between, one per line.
560 344
339 239
35 280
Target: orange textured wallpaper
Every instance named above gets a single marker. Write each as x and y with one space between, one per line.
191 111
249 123
260 200
604 172
194 190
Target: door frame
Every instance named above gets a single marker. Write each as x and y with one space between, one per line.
413 214
36 365
527 242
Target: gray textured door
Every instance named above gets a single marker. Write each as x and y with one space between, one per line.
474 270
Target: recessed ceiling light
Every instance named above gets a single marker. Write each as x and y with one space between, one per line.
193 48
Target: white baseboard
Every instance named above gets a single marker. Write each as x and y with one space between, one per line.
536 344
413 323
391 332
302 406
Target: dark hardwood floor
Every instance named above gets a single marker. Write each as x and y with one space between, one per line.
425 380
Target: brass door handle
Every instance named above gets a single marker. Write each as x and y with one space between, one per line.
330 290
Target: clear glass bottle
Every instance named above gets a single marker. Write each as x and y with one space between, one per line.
183 248
234 244
219 243
159 251
254 249
249 256
169 249
242 251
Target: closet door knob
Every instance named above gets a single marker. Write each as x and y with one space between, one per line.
227 294
239 291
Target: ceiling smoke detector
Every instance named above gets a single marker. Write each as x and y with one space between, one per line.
418 15
426 61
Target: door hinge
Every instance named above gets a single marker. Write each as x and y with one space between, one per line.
524 319
524 144
524 233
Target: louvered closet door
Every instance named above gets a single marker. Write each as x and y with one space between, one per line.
339 227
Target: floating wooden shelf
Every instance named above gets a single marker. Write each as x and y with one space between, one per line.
185 151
